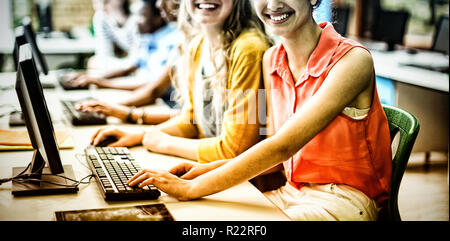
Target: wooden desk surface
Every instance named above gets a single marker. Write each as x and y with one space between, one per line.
242 202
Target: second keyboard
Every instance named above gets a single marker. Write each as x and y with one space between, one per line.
82 118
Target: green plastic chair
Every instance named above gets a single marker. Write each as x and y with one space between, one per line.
404 123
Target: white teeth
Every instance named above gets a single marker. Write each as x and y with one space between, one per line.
279 18
206 6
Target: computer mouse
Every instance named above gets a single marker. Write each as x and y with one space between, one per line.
411 51
108 140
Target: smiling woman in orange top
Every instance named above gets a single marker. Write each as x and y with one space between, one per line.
329 128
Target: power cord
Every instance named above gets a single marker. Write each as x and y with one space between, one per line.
23 178
3 180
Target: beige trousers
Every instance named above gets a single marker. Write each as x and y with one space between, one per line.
324 202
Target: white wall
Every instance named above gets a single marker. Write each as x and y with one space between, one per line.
6 31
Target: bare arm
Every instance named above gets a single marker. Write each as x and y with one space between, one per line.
149 92
106 82
120 72
166 138
119 84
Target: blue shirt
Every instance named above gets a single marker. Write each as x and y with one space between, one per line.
155 49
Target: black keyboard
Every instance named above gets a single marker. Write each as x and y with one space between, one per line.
442 69
82 118
113 167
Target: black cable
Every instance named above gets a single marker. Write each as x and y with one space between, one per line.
23 178
76 183
3 180
22 175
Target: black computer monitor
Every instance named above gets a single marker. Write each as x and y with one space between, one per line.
20 39
25 34
440 40
44 13
390 27
341 16
31 38
42 179
16 117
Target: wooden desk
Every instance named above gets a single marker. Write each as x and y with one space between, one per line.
242 202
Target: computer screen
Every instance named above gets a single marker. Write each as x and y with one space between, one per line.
41 133
440 43
390 27
31 38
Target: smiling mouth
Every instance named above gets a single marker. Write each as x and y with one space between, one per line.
278 18
207 6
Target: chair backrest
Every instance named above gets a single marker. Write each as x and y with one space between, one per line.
404 123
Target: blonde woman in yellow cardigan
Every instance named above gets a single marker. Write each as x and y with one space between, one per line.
219 83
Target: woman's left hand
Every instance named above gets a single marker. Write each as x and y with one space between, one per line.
85 80
155 140
165 181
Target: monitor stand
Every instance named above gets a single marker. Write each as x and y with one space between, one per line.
391 46
49 184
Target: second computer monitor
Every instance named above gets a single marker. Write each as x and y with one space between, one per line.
390 27
31 38
20 39
440 43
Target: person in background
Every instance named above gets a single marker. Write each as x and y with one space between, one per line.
156 40
219 81
147 94
115 30
327 126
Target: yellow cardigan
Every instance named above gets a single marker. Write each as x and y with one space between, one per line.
241 129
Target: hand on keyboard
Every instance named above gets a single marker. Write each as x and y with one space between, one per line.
66 80
113 167
164 181
84 80
108 140
124 138
77 80
116 110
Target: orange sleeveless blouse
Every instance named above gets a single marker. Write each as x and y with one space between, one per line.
348 151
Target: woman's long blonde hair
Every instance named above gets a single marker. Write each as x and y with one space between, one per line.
241 18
